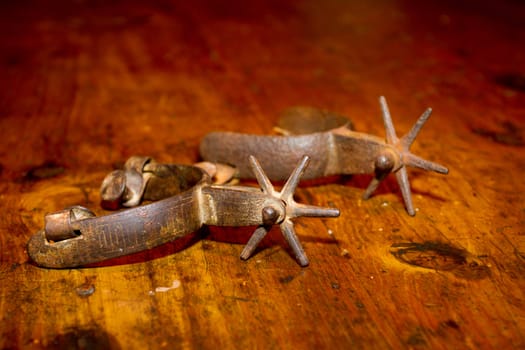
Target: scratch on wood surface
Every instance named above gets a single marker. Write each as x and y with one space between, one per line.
174 285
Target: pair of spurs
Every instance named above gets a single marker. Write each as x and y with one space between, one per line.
184 200
335 149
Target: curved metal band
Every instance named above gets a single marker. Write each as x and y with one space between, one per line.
278 155
125 232
334 152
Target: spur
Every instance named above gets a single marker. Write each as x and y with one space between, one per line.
188 200
334 147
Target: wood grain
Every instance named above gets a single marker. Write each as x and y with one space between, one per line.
87 84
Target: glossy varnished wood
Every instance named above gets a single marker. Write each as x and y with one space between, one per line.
87 84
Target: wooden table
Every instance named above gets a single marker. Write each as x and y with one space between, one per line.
87 84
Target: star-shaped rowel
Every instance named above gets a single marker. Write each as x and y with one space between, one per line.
293 210
385 164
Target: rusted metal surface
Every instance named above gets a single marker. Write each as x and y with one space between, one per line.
339 150
86 83
63 224
73 238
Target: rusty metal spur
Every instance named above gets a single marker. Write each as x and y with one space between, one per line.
334 147
75 236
